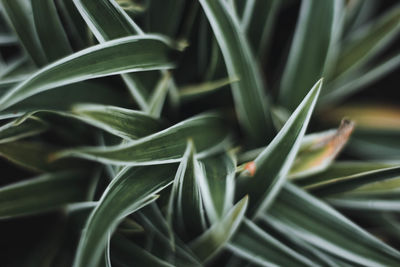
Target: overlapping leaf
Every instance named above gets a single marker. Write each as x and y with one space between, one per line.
126 123
185 208
50 31
35 156
215 238
113 57
217 184
273 163
206 131
308 52
297 213
258 247
250 99
133 188
43 193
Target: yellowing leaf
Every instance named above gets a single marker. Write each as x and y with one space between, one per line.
321 151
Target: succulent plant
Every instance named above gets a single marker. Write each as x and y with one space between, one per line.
198 133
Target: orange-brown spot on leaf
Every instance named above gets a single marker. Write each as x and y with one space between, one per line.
250 167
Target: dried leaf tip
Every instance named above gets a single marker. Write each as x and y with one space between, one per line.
250 167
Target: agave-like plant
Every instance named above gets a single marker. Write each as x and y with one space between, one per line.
125 147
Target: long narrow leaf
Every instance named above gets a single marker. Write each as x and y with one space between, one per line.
43 193
18 13
123 55
308 51
125 123
250 100
368 41
185 207
258 247
215 238
206 131
129 191
349 183
274 162
35 156
217 184
50 31
297 213
107 20
11 132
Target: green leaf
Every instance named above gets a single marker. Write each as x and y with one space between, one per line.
50 31
74 24
125 252
193 92
365 204
368 41
258 247
11 132
260 26
162 245
352 182
343 88
185 207
66 96
308 51
132 189
35 156
217 184
297 213
107 21
8 39
126 123
207 132
17 70
18 14
159 96
372 144
43 193
215 238
250 100
159 16
342 169
274 162
110 58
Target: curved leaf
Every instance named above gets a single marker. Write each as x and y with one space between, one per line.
185 207
49 29
130 54
217 184
107 20
297 213
11 132
18 13
258 247
342 169
66 96
215 238
129 191
250 100
368 41
206 131
43 193
350 183
35 156
126 123
320 154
